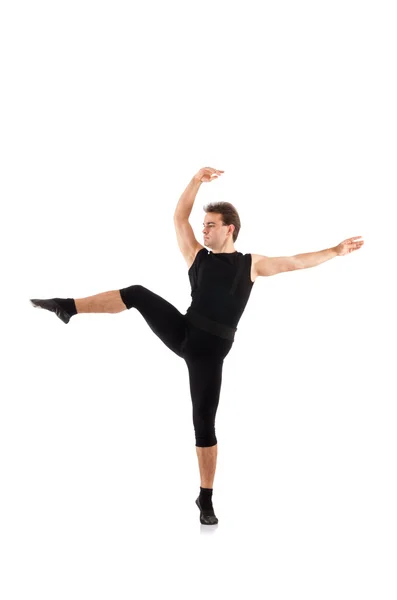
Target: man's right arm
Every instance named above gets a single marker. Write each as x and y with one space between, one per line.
186 201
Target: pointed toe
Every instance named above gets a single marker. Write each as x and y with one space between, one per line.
53 307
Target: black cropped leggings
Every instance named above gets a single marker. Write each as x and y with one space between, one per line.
203 353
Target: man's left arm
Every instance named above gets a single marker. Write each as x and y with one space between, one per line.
271 265
312 259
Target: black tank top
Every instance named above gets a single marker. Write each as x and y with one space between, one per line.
221 285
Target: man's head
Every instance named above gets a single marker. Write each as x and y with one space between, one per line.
221 226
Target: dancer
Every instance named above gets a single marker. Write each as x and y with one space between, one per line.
221 281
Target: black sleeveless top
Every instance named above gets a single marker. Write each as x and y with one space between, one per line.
221 285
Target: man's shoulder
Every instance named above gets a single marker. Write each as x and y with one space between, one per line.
192 259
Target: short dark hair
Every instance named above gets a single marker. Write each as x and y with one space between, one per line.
229 215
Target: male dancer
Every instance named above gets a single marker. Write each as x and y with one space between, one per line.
221 281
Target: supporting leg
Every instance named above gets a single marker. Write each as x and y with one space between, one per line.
207 464
106 302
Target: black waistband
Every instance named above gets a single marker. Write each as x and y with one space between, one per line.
219 329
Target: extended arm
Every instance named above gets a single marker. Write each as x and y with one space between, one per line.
312 259
267 265
272 265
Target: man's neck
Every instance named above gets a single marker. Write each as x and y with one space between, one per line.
224 252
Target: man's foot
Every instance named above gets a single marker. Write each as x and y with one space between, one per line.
207 516
53 307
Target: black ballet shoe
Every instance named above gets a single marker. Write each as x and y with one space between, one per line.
53 307
207 516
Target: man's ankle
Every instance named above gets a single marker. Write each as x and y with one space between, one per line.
67 304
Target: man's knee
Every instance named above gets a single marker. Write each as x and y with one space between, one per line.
130 294
205 441
204 432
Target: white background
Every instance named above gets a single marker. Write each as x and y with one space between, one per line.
107 111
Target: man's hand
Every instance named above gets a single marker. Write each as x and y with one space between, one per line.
348 246
185 204
207 174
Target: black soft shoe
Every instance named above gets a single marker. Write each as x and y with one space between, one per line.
207 516
53 307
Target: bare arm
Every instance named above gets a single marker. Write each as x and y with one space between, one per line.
186 201
185 204
267 265
272 265
312 259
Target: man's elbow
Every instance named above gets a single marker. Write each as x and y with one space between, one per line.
295 263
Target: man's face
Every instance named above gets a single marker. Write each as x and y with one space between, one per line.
213 231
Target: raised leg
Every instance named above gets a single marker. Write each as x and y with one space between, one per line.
106 302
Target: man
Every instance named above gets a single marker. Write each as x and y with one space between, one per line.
221 281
